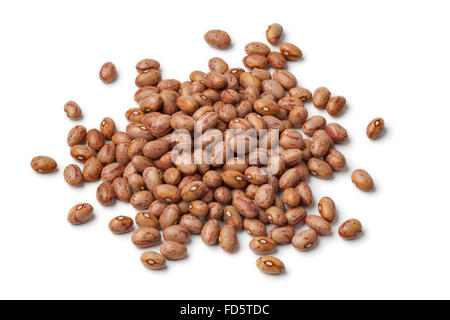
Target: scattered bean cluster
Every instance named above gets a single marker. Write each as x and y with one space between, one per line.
181 195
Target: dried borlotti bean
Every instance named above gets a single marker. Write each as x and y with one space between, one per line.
221 152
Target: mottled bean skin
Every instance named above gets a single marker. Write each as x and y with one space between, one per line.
228 239
121 224
304 240
153 260
375 128
350 229
218 39
362 180
108 72
73 175
43 164
145 237
319 224
172 250
263 245
80 213
270 265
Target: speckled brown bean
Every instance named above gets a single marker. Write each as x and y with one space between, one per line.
92 169
228 239
141 200
291 197
305 193
375 128
120 137
313 124
270 265
304 240
336 105
107 128
257 48
157 207
192 223
319 224
362 180
218 39
255 227
289 179
76 135
337 132
290 52
145 219
215 210
222 195
232 217
277 60
276 216
295 216
80 213
245 206
285 78
72 110
274 33
336 160
149 78
350 229
153 260
234 179
95 139
122 189
320 143
321 97
145 237
263 245
43 164
301 93
107 154
112 171
327 209
198 208
169 216
176 233
105 194
320 168
264 196
210 232
167 192
73 175
121 224
108 72
282 235
193 191
155 149
145 65
172 250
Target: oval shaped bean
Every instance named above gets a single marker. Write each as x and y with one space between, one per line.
153 260
72 110
73 175
274 33
176 233
263 245
350 229
121 224
80 213
290 52
375 128
92 169
362 180
320 168
304 240
336 105
192 223
270 265
43 164
218 39
76 135
255 227
228 239
172 250
108 72
122 189
145 237
319 224
321 97
105 194
282 235
141 200
210 232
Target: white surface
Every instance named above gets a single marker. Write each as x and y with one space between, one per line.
388 58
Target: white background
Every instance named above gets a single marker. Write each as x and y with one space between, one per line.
388 58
